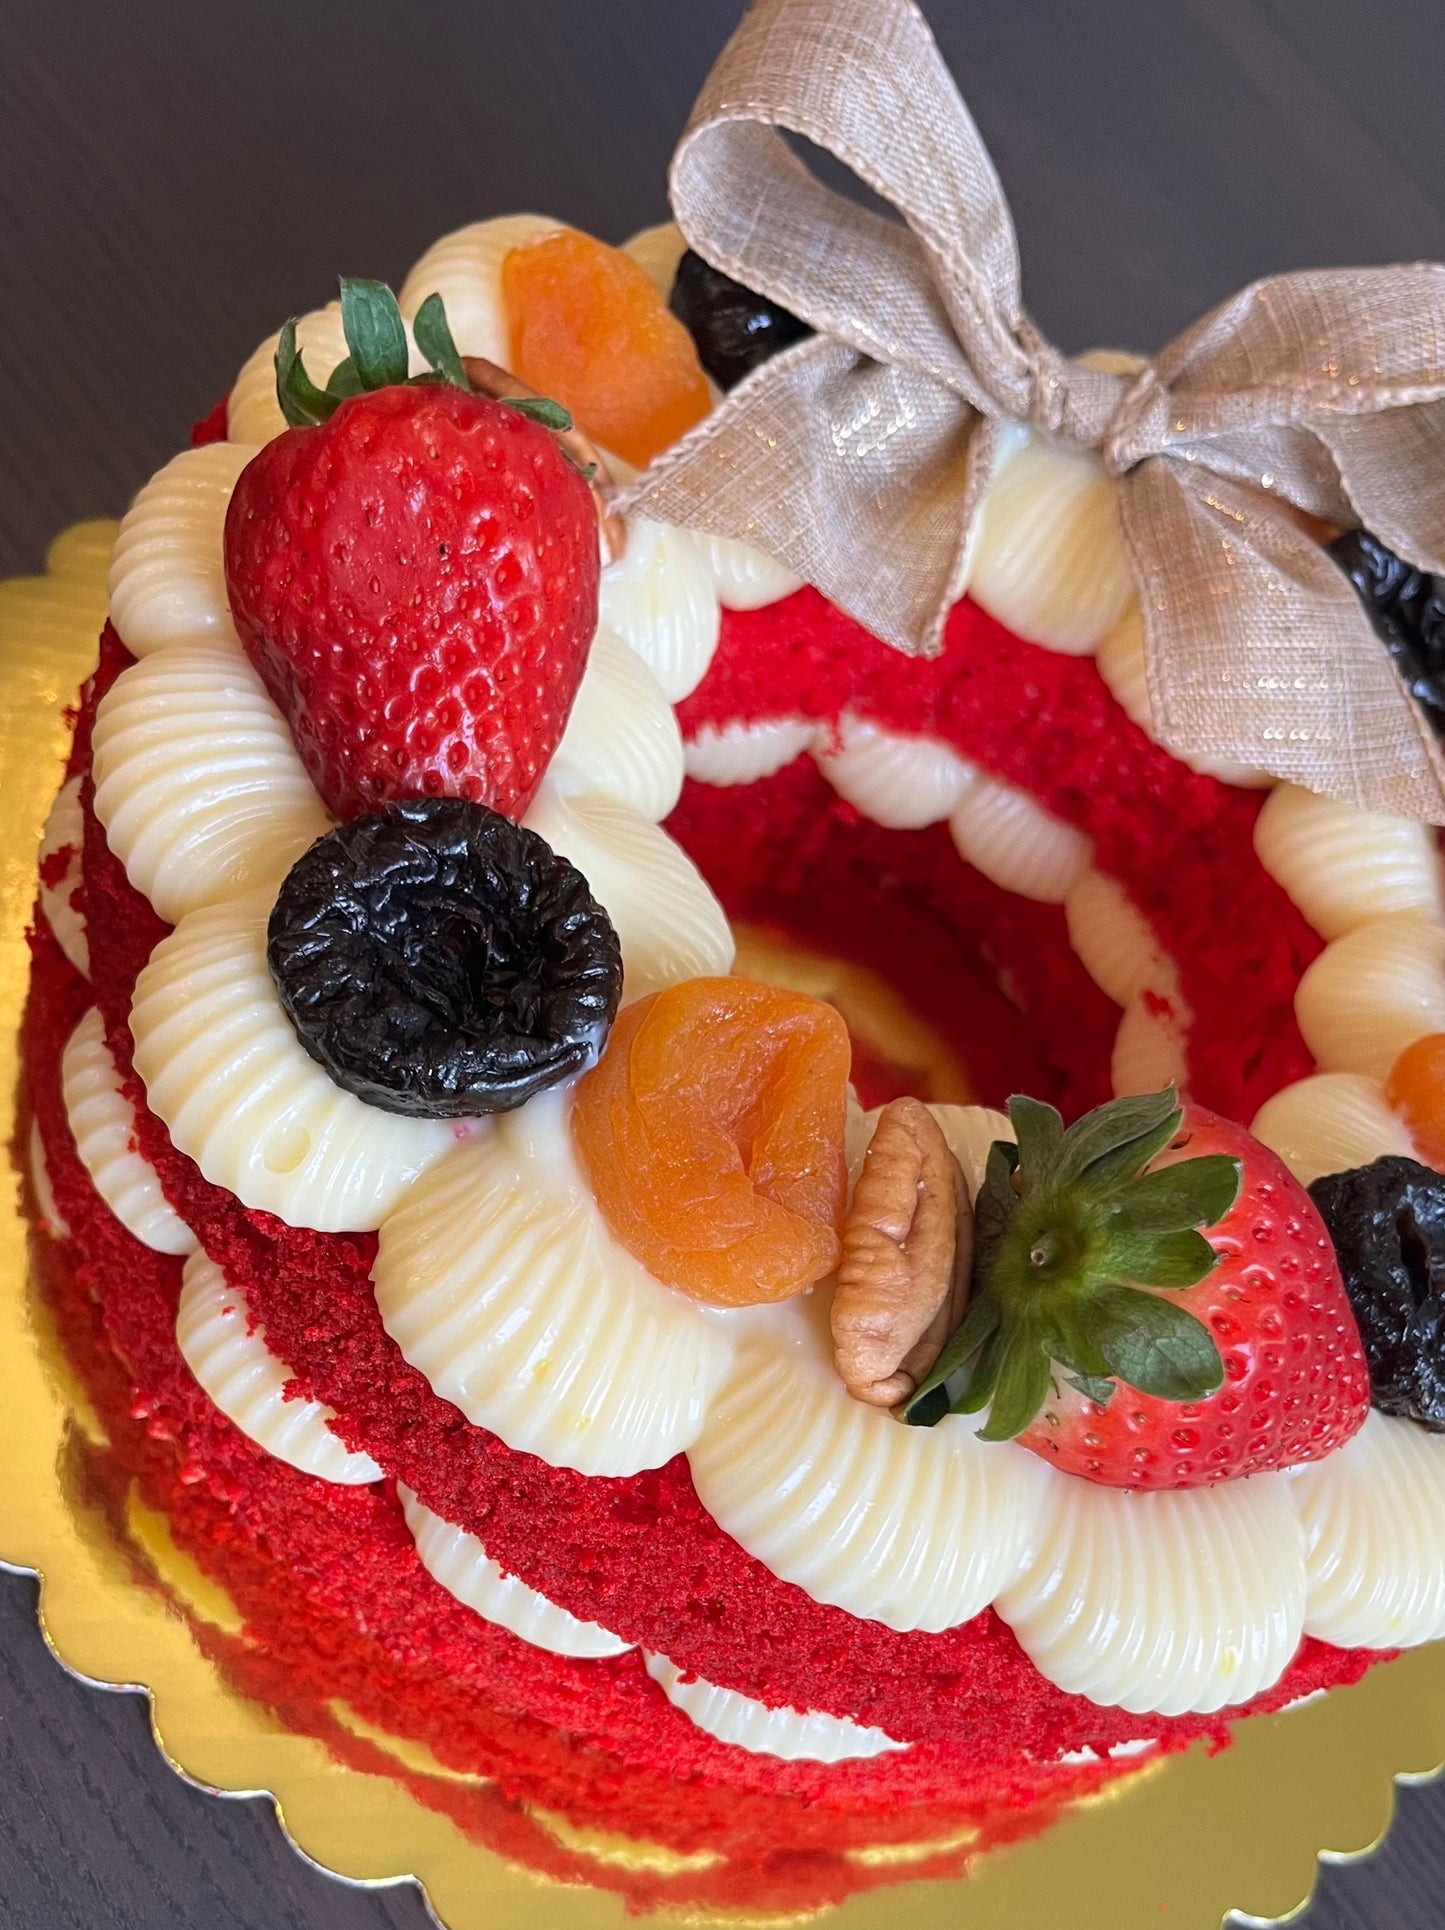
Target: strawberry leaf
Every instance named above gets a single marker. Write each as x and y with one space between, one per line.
1156 1345
375 333
302 403
379 357
981 1377
993 1210
1068 1339
343 380
1073 1241
1022 1388
1156 1259
541 408
434 338
1039 1130
1115 1169
1111 1133
1195 1192
979 1325
1100 1392
928 1409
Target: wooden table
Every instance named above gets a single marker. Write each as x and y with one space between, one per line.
178 175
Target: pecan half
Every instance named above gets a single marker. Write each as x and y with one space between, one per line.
907 1254
489 378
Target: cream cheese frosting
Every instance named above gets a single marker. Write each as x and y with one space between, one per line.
1166 1602
238 1092
102 1124
1151 1048
1342 865
1049 559
1331 1122
460 1564
899 782
739 753
918 1528
1114 942
167 579
231 1361
1010 837
622 739
52 1220
1372 992
197 779
744 578
465 269
496 1274
661 596
794 1735
668 922
253 414
1374 1522
499 1281
61 898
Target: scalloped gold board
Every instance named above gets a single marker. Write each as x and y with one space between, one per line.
1183 1844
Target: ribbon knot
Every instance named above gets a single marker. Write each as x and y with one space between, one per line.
859 456
1139 425
1073 402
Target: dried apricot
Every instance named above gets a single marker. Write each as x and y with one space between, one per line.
1416 1091
712 1132
589 328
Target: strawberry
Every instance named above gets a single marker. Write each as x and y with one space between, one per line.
1111 1337
413 569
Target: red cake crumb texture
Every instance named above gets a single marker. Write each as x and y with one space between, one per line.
1180 844
641 1554
337 1610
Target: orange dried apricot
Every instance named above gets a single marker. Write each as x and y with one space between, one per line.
1416 1091
589 329
712 1132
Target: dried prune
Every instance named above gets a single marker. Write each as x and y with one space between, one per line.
1387 1221
440 961
1406 608
733 329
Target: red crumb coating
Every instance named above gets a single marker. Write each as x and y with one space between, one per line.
330 1581
641 1555
1182 845
213 425
789 852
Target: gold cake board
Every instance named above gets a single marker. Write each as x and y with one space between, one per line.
1180 1845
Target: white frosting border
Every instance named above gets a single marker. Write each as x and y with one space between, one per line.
1020 577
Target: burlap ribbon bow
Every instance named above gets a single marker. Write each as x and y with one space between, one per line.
859 456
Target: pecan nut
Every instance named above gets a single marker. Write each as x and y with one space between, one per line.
907 1255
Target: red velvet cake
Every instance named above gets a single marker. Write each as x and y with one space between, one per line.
526 1052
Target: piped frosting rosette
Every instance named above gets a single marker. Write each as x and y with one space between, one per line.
497 1274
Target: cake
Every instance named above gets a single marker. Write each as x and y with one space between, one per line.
530 1013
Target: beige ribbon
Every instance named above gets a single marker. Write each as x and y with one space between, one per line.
858 456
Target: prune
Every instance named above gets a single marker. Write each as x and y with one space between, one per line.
442 962
1406 608
1387 1221
733 329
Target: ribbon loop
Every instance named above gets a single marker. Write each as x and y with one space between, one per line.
859 457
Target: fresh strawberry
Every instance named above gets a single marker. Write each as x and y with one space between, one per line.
1111 1337
413 571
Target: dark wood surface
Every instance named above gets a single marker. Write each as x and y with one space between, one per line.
178 175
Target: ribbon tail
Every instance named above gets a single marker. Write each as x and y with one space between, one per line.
1257 649
803 463
1391 468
